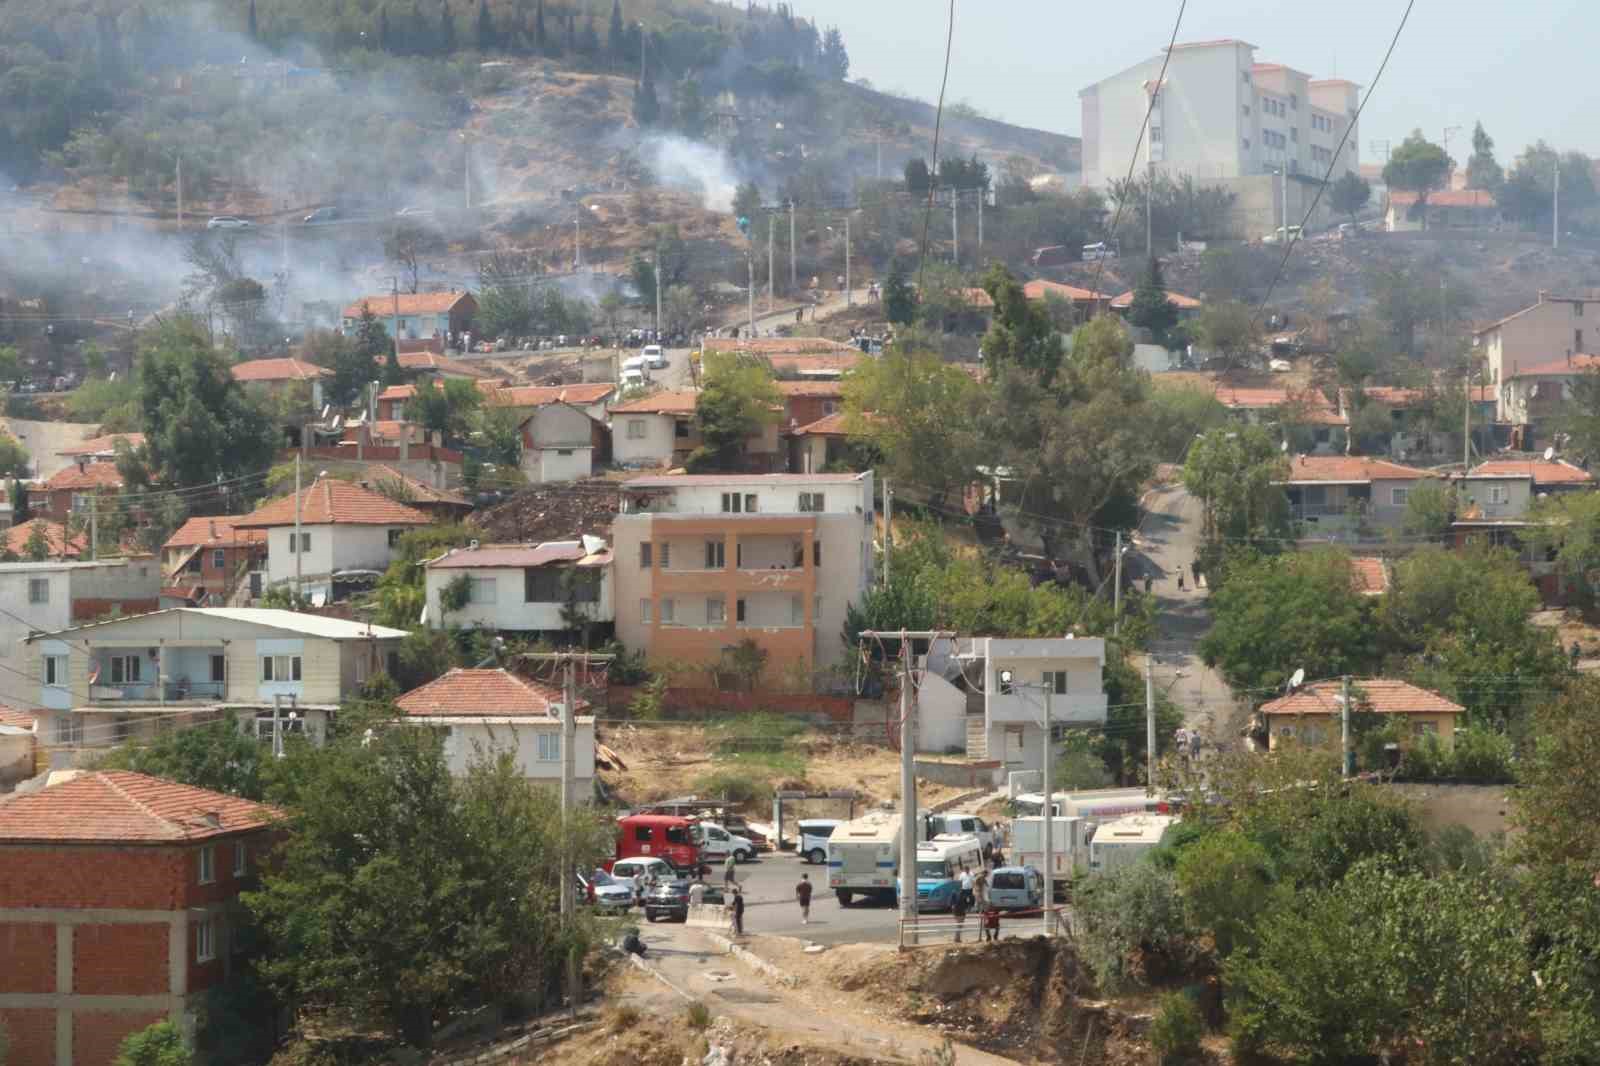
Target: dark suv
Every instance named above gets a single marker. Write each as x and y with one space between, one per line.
671 901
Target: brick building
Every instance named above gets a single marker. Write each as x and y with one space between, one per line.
117 894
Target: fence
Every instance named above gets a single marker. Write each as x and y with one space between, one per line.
928 929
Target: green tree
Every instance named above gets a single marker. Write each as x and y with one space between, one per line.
403 246
541 40
158 1044
447 29
20 511
616 36
1227 883
899 298
14 460
1527 195
1226 330
691 112
1021 333
1418 166
1237 474
488 38
1569 525
1483 172
1150 308
500 434
401 595
1579 417
1350 194
918 177
1276 614
1127 913
646 108
746 200
835 64
1430 508
448 409
213 755
36 549
1564 767
199 425
737 400
1176 415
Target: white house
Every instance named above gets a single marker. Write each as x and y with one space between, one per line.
562 442
343 528
1555 328
522 588
106 682
486 712
659 430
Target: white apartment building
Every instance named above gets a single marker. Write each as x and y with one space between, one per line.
1536 341
522 588
1221 117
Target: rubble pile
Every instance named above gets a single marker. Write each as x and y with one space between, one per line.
554 511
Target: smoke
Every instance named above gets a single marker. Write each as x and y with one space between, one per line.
693 167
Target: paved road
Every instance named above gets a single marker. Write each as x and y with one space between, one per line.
1169 541
768 885
783 313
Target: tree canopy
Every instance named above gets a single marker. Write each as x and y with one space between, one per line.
1418 166
737 400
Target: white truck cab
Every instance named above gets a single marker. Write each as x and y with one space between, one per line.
717 843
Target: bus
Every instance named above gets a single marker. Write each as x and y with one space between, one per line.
940 862
864 857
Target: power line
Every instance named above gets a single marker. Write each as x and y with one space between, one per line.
938 125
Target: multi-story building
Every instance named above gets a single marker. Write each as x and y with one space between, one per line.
1554 329
704 562
76 490
100 684
659 430
208 557
118 896
523 588
1222 118
282 377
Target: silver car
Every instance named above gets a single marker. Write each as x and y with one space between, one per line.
230 222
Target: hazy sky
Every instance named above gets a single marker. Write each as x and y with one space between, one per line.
1517 67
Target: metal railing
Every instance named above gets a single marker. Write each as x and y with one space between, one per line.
945 928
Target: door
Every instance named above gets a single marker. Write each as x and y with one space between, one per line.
1013 743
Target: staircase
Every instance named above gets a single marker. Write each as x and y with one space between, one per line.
977 735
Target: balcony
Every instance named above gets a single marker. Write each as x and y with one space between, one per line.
1079 708
156 676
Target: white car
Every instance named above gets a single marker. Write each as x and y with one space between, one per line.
718 843
632 378
626 871
230 222
654 357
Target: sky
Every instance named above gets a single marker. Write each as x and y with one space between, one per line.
1024 61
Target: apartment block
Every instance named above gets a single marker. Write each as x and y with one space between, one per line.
703 562
1550 332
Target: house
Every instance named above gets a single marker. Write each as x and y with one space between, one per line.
591 396
1534 395
102 447
1446 209
18 746
1312 714
814 447
278 377
659 430
485 712
343 528
1187 306
704 562
435 364
121 894
1341 494
522 588
390 404
208 557
829 366
1083 303
563 442
1537 334
806 401
60 544
1326 426
415 315
103 683
1506 488
439 503
69 491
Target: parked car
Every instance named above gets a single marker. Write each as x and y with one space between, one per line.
671 901
813 842
718 843
230 222
413 211
321 215
605 892
626 870
654 357
1016 888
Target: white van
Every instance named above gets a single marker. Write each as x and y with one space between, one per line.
813 843
957 823
717 843
1099 250
632 378
654 357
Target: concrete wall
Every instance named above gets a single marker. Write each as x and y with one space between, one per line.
977 773
654 445
941 716
511 610
558 464
467 743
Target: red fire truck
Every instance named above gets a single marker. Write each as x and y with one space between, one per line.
670 837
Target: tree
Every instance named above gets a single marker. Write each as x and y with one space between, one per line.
1418 166
1020 333
1579 417
1237 474
446 410
402 245
679 310
1276 614
1563 768
488 39
835 64
690 109
918 177
1483 172
199 425
1430 508
447 29
541 40
385 43
737 400
353 368
37 548
646 108
250 23
213 755
899 298
1350 194
1569 525
589 39
1150 308
20 511
14 460
1177 415
157 1044
616 36
746 200
500 434
1226 330
1227 883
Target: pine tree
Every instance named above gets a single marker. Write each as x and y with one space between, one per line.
540 41
447 29
646 108
1150 307
20 511
572 33
899 301
486 34
383 29
589 40
616 36
254 36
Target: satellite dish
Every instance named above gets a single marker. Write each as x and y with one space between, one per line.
1284 447
1298 679
1549 454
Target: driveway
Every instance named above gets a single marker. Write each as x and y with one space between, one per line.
1169 541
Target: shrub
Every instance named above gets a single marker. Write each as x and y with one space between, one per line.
1128 916
741 788
160 1044
698 1016
1482 756
1176 1031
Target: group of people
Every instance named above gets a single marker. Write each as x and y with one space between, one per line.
973 895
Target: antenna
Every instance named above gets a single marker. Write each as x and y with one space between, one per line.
1298 679
1549 454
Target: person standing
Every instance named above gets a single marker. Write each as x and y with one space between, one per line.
990 930
959 910
1180 579
980 888
729 868
966 886
738 912
802 893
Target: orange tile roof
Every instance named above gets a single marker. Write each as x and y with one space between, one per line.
391 429
1554 472
101 475
827 390
778 345
103 445
1445 198
580 395
1369 575
1349 468
277 370
976 297
120 807
1313 407
330 501
482 692
421 492
55 535
398 392
826 426
1176 299
1392 396
1569 366
442 364
218 532
387 305
16 717
1038 289
1381 695
680 402
835 362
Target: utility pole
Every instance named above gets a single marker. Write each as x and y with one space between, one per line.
1049 817
655 268
772 277
888 529
955 226
1466 425
1149 209
94 527
794 282
577 242
466 170
279 719
180 192
750 265
1150 724
847 259
1284 171
880 157
1555 207
295 547
1346 756
982 196
1116 591
394 283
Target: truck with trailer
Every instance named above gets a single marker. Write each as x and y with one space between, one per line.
1069 848
864 856
1101 803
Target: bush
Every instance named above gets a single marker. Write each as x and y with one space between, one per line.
1176 1031
698 1016
740 788
160 1044
1481 756
1130 917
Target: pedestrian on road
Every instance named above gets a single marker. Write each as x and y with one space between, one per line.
990 930
1180 740
959 909
966 886
988 853
802 893
1180 579
738 912
697 894
728 868
799 315
980 888
1195 566
1194 744
1148 581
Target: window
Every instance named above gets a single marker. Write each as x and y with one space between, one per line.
126 669
732 503
666 555
668 612
829 407
797 611
219 559
645 554
1424 729
305 543
816 553
1244 109
208 864
280 668
1244 76
286 726
55 670
1577 340
1004 687
1294 134
361 670
1294 101
481 590
550 747
219 669
1056 681
749 503
395 535
644 611
680 428
636 429
812 503
1577 309
1398 496
716 554
205 948
1497 494
716 612
1245 143
69 729
241 858
738 609
38 590
643 833
1155 138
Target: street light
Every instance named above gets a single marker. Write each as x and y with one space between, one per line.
1008 681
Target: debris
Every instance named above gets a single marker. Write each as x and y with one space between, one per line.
561 511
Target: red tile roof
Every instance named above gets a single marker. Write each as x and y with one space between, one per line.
1381 695
1349 468
1568 366
1445 198
55 534
329 501
680 402
387 305
538 395
218 532
482 692
827 426
673 481
1392 396
1369 575
103 445
1311 405
1176 299
120 807
101 475
1039 289
277 370
441 364
503 556
16 717
778 345
1555 472
827 390
833 363
377 475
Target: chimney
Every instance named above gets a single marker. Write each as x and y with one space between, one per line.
83 465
